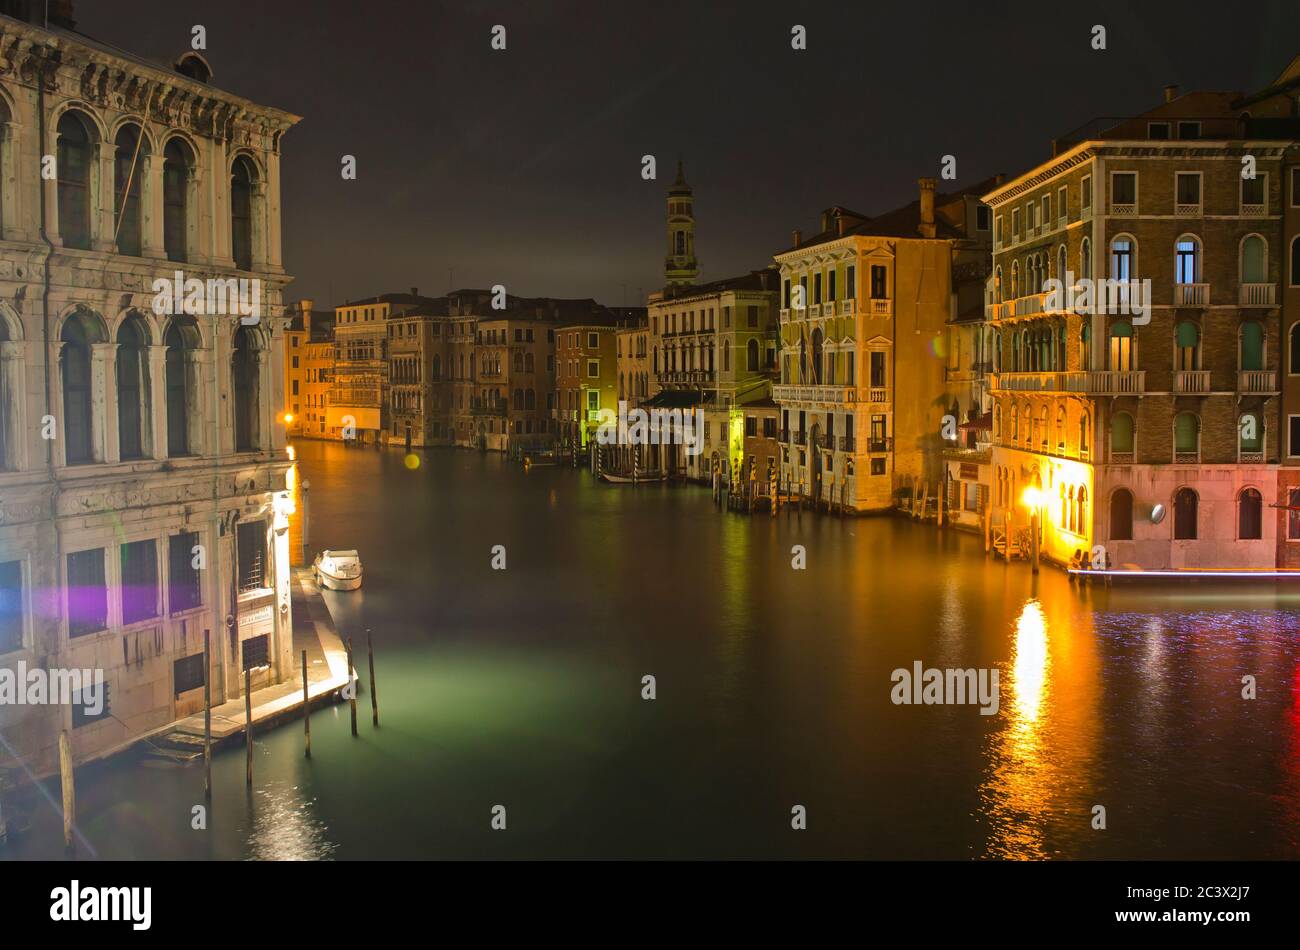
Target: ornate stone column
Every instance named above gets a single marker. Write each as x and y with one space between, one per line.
11 201
103 401
105 196
199 439
157 428
274 262
152 240
13 398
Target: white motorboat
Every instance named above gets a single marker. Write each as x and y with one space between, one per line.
337 570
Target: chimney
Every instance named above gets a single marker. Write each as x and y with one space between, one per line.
840 225
305 307
798 237
1171 93
927 207
826 220
415 291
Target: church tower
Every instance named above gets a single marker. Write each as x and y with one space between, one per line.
680 267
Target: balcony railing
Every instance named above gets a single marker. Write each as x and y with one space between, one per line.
848 307
1257 381
1121 458
1117 382
1103 382
847 443
801 438
838 395
1250 458
1187 458
878 394
1187 210
1123 210
880 445
1192 381
1191 295
1259 295
785 435
880 307
1254 210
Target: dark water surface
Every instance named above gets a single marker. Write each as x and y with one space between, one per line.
522 688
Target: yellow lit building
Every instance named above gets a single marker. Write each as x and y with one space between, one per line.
309 368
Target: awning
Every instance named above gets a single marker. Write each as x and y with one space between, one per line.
983 424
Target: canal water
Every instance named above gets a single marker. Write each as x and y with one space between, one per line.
523 688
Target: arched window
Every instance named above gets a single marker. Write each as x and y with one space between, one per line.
1187 336
1081 510
1085 258
1123 258
1061 266
1015 424
1250 435
128 166
1121 515
1060 428
751 355
519 399
1085 436
1121 436
655 358
181 339
73 161
241 213
530 399
1250 515
178 163
1252 345
1187 437
1085 346
528 363
132 387
1254 260
79 334
1187 260
519 361
1295 255
247 390
997 423
1043 435
997 283
816 356
437 366
1015 279
1185 503
1120 355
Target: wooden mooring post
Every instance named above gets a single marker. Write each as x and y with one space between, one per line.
207 714
352 687
374 693
248 726
306 706
69 791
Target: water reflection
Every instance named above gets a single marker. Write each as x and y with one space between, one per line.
285 827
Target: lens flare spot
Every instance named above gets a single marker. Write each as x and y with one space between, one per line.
412 461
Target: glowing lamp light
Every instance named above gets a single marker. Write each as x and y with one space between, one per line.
1032 497
288 418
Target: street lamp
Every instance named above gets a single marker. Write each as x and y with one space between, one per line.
1033 499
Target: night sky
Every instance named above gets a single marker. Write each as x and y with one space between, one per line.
522 167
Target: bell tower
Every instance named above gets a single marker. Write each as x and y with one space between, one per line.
680 266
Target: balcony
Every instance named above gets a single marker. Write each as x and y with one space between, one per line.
801 438
835 395
1100 383
814 311
1192 381
1257 381
1254 210
784 435
878 394
848 308
1123 382
1187 458
1191 295
1187 210
480 408
1259 295
1121 458
847 444
1123 210
879 307
880 445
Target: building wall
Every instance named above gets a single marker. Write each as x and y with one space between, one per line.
53 509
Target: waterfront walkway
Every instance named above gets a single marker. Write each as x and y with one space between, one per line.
327 668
